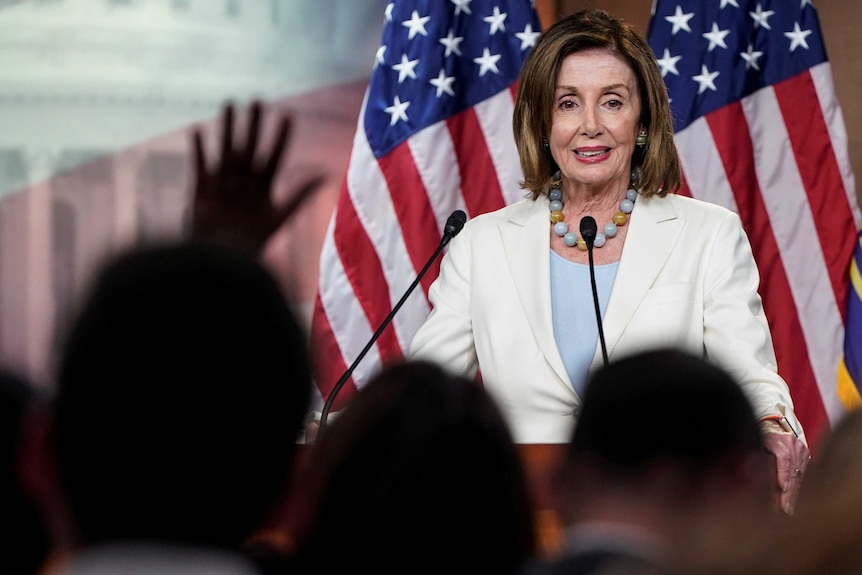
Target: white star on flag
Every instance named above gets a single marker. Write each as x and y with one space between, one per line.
487 62
716 37
761 17
667 63
680 20
797 37
462 5
728 3
406 68
397 111
751 57
416 25
452 43
705 79
443 83
496 20
527 37
378 58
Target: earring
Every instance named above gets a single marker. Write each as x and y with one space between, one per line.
545 142
642 139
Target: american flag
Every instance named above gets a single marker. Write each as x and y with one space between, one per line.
434 135
760 131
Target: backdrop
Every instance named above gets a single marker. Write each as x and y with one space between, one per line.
97 99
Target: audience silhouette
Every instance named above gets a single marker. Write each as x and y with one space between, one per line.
665 465
418 474
182 387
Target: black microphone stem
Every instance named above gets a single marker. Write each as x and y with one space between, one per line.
330 399
596 305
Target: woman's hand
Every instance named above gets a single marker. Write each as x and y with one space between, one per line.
791 457
232 201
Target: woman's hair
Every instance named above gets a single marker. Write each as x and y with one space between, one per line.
585 30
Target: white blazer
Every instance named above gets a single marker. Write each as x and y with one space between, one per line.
686 278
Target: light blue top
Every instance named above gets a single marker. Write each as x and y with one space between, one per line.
574 314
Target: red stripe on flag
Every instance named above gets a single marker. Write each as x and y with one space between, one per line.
415 216
737 155
327 363
812 149
479 183
365 273
684 190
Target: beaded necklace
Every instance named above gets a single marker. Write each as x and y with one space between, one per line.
610 230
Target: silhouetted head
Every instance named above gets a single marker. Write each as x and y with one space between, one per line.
182 387
664 406
420 464
668 444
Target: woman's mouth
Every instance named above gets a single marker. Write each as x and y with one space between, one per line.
592 154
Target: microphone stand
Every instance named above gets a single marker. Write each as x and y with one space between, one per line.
588 232
453 226
596 303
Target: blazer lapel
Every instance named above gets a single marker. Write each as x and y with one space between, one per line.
654 231
525 236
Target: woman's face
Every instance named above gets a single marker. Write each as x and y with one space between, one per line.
596 119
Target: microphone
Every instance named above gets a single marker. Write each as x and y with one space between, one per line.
453 226
588 233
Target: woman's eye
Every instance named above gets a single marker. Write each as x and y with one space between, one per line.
567 105
614 103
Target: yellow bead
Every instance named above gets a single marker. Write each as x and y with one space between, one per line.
620 218
557 216
582 244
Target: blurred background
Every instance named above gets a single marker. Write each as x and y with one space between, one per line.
98 99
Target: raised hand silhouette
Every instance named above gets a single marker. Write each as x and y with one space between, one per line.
233 198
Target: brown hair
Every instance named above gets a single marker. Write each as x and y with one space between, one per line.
587 29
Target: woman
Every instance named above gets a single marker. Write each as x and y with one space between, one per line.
595 138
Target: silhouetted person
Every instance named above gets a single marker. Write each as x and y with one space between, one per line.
419 474
182 387
666 469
